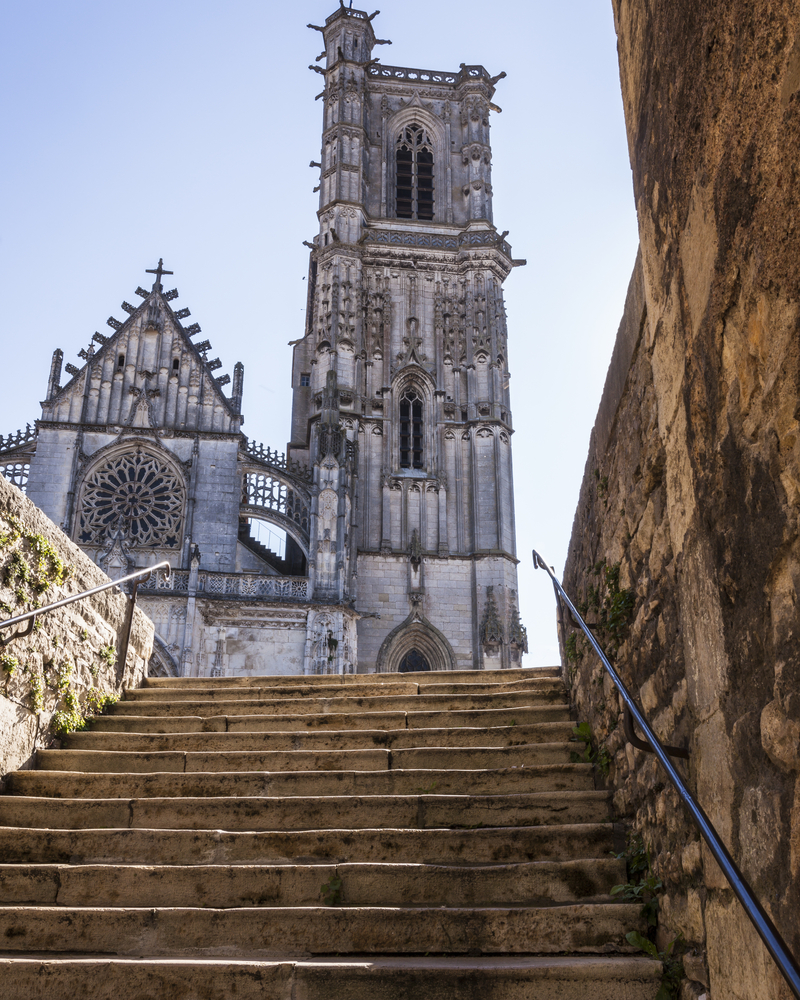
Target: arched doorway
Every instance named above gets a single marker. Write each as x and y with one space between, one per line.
415 645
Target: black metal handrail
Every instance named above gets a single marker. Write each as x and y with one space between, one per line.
767 931
136 577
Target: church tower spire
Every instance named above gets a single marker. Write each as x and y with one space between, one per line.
406 325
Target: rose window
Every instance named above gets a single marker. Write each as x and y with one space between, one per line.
137 493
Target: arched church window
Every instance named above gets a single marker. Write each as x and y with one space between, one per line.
411 430
137 492
413 661
414 166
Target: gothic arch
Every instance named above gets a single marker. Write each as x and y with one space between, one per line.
416 632
413 377
416 114
161 662
277 496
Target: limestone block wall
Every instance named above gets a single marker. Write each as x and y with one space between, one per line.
66 654
218 494
691 495
51 469
453 601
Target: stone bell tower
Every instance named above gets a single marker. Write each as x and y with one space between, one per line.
401 382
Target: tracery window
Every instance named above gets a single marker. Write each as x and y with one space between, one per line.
17 473
411 430
414 167
137 492
412 662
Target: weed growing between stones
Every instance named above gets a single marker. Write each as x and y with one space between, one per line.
643 885
71 719
332 891
599 756
108 655
9 665
671 964
37 692
34 565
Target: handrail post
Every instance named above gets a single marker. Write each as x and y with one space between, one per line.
122 656
758 916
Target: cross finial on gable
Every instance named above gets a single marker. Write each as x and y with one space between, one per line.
158 272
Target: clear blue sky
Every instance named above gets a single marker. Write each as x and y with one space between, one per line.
184 129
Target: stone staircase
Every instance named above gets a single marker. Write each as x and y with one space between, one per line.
368 837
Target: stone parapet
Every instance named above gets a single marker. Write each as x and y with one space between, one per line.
74 651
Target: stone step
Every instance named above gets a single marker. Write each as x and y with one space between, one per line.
427 758
101 785
373 687
208 723
300 931
312 707
326 812
207 847
248 740
219 886
495 977
267 702
359 680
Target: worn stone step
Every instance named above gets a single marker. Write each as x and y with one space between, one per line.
427 758
358 680
523 977
61 784
371 687
367 739
195 847
176 722
300 931
260 701
320 812
221 886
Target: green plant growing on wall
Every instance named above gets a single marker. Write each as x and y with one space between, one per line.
37 692
643 884
64 678
599 757
68 719
108 655
98 702
617 608
332 891
571 647
34 575
9 664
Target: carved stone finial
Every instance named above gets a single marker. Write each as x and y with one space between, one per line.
517 633
491 626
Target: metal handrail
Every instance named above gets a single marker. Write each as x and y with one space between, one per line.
30 616
767 931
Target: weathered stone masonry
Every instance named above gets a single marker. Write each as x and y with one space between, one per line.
73 636
692 484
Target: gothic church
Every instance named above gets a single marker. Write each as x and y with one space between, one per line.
395 491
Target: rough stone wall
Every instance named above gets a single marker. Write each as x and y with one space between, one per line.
66 650
693 481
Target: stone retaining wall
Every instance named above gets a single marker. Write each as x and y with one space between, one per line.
685 546
74 650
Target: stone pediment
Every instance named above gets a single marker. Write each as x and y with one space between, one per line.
148 374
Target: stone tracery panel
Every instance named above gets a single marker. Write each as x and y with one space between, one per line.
137 492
